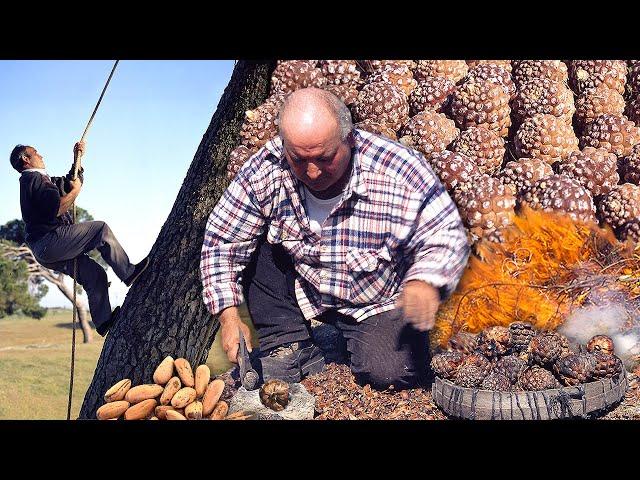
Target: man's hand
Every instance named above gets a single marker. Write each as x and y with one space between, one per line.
229 323
76 184
419 302
79 149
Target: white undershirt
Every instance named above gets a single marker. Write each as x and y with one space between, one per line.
319 209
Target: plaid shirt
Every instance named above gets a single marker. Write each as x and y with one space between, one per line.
394 223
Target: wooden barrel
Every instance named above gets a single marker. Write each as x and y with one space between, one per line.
566 402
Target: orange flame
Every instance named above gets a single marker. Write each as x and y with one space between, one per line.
533 275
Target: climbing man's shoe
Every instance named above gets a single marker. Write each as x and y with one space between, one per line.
104 328
139 268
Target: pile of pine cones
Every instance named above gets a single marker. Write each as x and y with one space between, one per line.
521 358
557 136
176 394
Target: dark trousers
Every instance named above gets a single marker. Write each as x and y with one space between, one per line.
57 249
384 348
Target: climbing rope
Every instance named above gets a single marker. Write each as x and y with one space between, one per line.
76 166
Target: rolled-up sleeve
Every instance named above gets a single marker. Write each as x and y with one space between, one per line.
439 245
230 238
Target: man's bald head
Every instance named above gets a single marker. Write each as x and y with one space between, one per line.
312 112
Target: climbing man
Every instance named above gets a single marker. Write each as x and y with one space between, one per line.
55 241
336 224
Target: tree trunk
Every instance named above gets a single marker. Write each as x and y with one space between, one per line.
164 313
83 317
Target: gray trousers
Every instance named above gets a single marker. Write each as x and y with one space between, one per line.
58 248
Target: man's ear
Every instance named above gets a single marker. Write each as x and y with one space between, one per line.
351 140
25 161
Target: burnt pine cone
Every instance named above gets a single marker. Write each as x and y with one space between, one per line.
341 72
524 173
588 74
274 394
630 231
606 365
453 169
478 360
454 70
429 132
561 194
485 205
525 70
511 366
595 169
620 205
521 335
575 368
488 72
542 95
537 378
445 365
630 166
545 348
545 137
399 76
296 74
615 133
372 126
601 344
566 347
432 93
463 342
469 376
596 102
483 146
497 382
382 103
481 104
494 341
633 109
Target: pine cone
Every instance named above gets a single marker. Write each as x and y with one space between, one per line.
511 366
543 96
632 111
429 132
630 231
296 74
454 70
445 365
481 104
630 166
432 93
525 70
382 103
237 158
463 342
588 74
545 137
399 76
494 341
606 365
595 169
601 344
341 72
261 123
483 146
453 169
596 102
537 378
575 368
488 72
506 64
347 93
469 376
524 173
545 348
378 128
615 133
497 382
478 360
620 205
521 335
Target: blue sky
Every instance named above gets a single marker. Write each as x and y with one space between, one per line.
139 147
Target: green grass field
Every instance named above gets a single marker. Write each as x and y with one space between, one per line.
35 360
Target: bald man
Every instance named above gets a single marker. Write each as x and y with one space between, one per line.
332 223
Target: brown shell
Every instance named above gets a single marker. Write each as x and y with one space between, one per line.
543 95
399 76
545 137
615 133
341 72
293 75
486 206
596 102
431 93
383 103
587 74
561 194
274 394
453 169
523 173
601 344
620 205
525 70
483 146
452 69
378 128
481 104
488 72
595 169
429 132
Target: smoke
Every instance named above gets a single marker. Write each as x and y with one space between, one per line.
611 319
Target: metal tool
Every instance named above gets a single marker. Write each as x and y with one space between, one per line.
248 376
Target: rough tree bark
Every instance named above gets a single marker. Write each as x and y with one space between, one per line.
164 313
56 278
